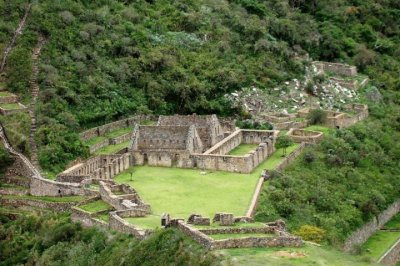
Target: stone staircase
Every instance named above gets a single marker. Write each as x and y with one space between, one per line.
34 87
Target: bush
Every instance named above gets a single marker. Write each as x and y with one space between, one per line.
317 116
311 233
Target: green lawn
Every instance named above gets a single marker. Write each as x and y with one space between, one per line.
379 243
95 206
111 149
394 223
48 198
326 130
149 222
226 236
243 149
5 94
181 192
104 217
311 255
10 106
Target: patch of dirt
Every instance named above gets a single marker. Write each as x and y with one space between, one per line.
288 254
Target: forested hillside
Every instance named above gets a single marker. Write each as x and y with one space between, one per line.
107 59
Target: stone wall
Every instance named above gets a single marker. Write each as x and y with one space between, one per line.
86 218
227 144
336 68
239 230
99 145
171 158
22 108
11 98
32 203
392 256
289 125
362 234
230 163
251 242
255 199
121 202
121 139
207 126
119 224
301 135
102 130
291 157
198 236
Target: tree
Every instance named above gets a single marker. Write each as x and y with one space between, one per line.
283 142
317 116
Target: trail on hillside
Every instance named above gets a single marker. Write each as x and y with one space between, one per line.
34 86
17 32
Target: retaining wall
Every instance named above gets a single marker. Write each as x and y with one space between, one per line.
392 256
55 206
362 234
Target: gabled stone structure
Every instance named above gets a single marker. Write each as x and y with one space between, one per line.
165 145
207 126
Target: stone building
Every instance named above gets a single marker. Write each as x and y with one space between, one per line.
207 126
165 145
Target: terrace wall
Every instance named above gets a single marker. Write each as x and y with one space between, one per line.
33 203
86 218
117 223
336 68
362 234
104 129
12 98
300 135
392 256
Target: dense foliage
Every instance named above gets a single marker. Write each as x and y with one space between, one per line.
54 240
341 183
107 59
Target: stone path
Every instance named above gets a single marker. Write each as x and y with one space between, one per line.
34 92
17 32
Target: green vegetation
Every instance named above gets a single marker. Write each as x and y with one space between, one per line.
10 106
226 236
187 191
47 198
394 223
149 222
95 206
310 233
283 142
4 94
326 130
306 255
95 140
54 239
379 243
317 117
341 183
243 149
119 132
111 149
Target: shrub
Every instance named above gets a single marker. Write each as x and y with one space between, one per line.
283 142
317 116
311 233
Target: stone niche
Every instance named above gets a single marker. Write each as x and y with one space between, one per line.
201 221
226 219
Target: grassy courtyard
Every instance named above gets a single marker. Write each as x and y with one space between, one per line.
4 94
181 192
379 243
10 106
306 255
243 149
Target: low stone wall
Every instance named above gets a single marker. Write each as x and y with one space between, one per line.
251 242
301 135
290 158
289 125
362 234
55 206
120 225
121 139
392 256
198 236
239 230
104 129
255 199
227 144
99 145
86 218
12 98
230 163
22 108
336 68
349 84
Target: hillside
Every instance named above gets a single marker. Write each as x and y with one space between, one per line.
76 65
